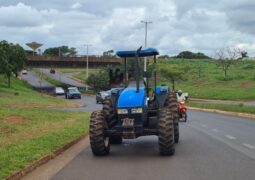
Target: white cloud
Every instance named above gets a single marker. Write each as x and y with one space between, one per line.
177 25
76 5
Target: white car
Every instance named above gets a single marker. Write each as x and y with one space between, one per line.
59 91
24 72
101 96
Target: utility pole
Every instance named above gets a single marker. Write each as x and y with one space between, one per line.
87 66
145 43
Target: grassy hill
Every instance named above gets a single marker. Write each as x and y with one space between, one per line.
240 84
30 128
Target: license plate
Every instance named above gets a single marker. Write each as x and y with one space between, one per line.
128 122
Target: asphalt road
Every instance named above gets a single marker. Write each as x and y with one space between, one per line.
35 81
62 78
88 101
211 147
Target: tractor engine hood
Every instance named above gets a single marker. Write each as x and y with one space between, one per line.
129 98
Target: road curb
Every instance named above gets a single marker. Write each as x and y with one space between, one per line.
20 174
245 115
75 79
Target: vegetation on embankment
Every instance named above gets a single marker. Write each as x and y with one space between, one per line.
30 128
205 79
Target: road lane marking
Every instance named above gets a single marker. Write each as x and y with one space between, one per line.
249 146
230 137
215 130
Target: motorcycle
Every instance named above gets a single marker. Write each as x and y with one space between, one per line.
182 109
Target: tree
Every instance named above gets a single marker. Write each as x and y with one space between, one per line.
191 55
11 60
244 54
108 53
17 58
5 65
62 50
199 68
173 73
227 57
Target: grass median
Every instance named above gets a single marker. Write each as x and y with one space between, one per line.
47 78
30 128
224 107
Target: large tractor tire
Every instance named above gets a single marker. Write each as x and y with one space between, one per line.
115 139
166 133
99 143
108 108
108 111
172 104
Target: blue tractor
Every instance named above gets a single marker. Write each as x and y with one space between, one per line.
130 112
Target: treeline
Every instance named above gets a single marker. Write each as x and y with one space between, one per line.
188 55
12 59
56 51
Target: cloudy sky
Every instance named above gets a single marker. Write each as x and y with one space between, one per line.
195 25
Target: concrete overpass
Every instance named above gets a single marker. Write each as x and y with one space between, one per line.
62 61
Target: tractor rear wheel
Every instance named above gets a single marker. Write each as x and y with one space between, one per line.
166 133
115 139
172 104
99 143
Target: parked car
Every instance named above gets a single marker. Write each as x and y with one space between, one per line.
101 96
59 91
24 72
73 92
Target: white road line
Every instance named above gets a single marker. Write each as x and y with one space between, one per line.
230 137
215 130
249 146
203 125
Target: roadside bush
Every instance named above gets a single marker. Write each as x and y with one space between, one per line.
99 81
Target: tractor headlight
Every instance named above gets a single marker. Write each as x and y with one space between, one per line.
122 111
136 110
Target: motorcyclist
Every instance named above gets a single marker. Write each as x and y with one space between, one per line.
181 96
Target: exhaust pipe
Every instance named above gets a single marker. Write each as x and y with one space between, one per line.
137 70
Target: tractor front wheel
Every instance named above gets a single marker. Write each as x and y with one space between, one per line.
166 133
99 143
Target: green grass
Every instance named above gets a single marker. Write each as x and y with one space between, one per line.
21 94
70 70
48 79
30 128
225 107
82 75
240 84
74 70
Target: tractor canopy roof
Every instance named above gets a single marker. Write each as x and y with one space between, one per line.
142 53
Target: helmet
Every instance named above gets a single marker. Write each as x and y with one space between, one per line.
179 91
